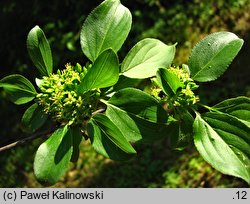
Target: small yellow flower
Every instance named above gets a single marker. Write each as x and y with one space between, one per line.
60 98
185 95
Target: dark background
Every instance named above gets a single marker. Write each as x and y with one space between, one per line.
182 21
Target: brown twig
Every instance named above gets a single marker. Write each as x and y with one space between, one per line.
25 140
37 135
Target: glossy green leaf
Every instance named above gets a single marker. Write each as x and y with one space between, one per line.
124 122
238 107
107 26
19 89
224 142
103 73
76 140
34 117
139 103
168 81
53 156
39 51
135 128
123 82
108 140
212 55
143 60
138 115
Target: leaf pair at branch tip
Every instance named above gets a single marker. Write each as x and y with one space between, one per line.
19 89
108 26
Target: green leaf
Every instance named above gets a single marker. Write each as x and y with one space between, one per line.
103 73
138 115
107 26
143 60
238 107
181 131
107 139
168 81
53 156
39 51
224 142
76 140
123 82
135 128
212 55
34 117
139 103
19 89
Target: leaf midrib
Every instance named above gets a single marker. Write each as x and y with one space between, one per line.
99 72
113 139
207 64
18 88
107 30
138 116
207 126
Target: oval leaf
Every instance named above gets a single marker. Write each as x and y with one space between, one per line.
53 156
107 139
19 89
103 73
212 55
135 128
138 115
238 107
107 26
39 51
168 81
123 82
34 117
224 142
146 57
139 103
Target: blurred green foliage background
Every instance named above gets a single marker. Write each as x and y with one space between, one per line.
182 21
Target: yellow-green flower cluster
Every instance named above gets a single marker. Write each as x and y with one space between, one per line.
60 97
184 95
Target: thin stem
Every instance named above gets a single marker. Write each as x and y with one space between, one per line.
101 110
209 108
205 106
104 101
25 140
